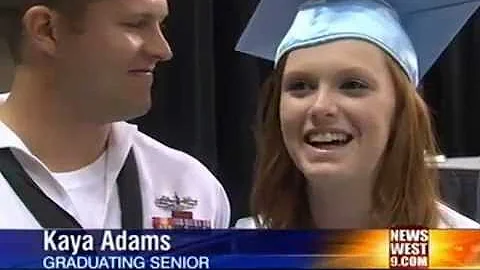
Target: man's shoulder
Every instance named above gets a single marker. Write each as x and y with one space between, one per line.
154 149
161 159
174 170
147 147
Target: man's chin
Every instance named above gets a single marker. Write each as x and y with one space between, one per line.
136 114
131 113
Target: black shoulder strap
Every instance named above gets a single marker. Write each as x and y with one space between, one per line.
130 194
50 215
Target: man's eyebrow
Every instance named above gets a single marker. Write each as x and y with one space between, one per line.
150 15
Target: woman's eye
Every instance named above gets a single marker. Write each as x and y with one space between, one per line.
298 85
353 84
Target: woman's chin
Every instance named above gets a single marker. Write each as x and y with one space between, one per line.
324 171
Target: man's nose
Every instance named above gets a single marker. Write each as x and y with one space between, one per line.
158 47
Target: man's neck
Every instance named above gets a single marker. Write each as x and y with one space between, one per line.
60 140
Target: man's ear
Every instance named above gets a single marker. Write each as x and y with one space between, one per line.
41 27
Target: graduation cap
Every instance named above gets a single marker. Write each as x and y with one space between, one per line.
278 26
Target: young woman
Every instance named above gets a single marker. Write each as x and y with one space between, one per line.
342 133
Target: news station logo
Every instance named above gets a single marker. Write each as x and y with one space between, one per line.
409 248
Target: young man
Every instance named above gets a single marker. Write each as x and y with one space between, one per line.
67 158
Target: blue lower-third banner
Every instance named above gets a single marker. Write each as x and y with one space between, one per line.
209 249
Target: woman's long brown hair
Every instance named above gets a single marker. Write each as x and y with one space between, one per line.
405 192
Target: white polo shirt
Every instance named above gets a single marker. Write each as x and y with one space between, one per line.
163 173
449 219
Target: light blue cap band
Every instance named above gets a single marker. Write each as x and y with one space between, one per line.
375 21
